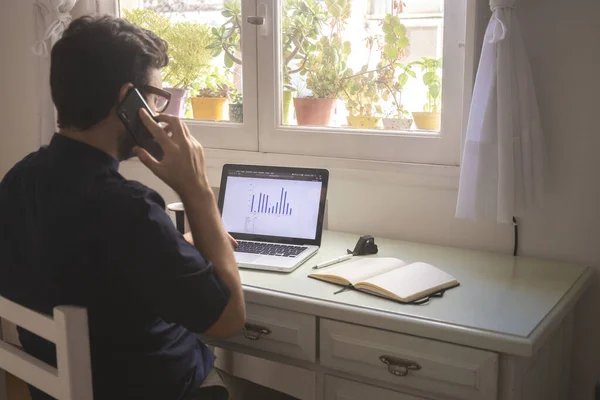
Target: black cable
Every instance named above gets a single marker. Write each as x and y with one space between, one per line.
516 247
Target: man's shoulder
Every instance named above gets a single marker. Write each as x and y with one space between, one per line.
26 165
127 194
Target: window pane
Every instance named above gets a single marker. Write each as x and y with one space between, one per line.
204 74
363 64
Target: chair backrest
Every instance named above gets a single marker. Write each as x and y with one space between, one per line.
68 330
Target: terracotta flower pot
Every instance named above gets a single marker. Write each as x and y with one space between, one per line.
314 111
361 121
208 108
429 121
178 104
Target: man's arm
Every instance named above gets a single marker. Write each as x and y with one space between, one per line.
183 169
211 239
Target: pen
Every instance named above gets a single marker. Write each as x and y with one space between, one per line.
334 261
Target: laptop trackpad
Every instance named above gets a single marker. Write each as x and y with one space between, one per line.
246 258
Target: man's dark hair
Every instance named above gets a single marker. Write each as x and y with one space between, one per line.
92 61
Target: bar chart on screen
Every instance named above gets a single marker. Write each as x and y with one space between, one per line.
272 207
263 204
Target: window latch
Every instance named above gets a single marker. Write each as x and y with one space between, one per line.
256 20
260 20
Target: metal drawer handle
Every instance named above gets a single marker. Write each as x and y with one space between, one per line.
399 366
254 332
256 20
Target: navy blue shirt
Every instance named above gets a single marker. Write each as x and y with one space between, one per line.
73 231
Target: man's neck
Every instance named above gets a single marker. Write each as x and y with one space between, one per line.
98 136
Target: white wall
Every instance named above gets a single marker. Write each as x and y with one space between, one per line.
562 39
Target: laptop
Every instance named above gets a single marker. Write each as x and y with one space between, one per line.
275 213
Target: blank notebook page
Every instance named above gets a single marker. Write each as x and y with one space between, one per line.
412 279
363 268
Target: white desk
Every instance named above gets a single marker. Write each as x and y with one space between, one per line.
505 333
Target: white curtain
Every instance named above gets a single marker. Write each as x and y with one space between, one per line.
51 19
503 159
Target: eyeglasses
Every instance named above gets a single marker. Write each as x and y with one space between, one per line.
162 97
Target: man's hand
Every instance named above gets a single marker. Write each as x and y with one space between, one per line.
183 166
190 239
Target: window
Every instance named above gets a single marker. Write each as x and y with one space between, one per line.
368 66
376 79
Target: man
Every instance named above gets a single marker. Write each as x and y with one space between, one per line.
74 231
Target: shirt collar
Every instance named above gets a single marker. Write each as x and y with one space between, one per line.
75 150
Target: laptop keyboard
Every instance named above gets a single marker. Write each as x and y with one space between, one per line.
269 249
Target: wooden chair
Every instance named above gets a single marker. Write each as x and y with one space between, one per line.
68 330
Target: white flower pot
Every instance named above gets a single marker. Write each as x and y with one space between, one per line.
397 124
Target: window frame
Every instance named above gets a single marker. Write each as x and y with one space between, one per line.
262 132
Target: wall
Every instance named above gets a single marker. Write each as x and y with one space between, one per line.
18 103
562 42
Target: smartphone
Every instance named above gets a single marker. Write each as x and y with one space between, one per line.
129 113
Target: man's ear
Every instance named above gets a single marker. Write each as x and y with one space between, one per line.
123 91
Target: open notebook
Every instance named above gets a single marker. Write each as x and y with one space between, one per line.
390 278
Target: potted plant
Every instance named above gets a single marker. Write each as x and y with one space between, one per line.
189 56
324 68
395 41
189 59
430 118
236 106
324 71
302 23
396 118
210 97
362 95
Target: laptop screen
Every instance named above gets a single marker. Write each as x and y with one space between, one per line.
262 203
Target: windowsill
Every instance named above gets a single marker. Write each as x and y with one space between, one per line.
427 175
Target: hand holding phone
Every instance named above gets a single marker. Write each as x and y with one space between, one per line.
129 113
182 166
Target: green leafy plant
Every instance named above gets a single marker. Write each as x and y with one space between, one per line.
393 87
327 60
362 97
235 97
226 39
395 39
189 57
392 75
302 23
220 91
326 67
301 26
432 79
148 19
362 89
213 84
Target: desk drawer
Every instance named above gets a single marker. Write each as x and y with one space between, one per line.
433 367
342 389
279 331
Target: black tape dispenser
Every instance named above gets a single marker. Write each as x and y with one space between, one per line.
365 246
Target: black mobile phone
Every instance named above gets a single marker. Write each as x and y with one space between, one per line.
128 111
